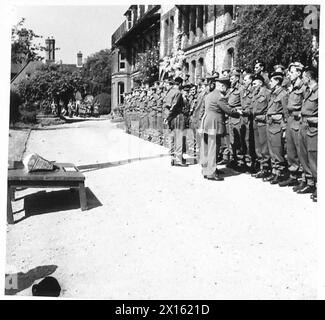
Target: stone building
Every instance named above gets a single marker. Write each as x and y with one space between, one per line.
206 34
139 32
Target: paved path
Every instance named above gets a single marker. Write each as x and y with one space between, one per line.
156 231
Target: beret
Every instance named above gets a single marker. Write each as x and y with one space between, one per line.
259 77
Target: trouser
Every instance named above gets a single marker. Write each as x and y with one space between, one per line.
236 141
308 136
293 146
247 140
144 124
152 121
210 146
261 146
225 150
177 145
135 123
276 147
191 141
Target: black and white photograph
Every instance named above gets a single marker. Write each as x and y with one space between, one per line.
161 152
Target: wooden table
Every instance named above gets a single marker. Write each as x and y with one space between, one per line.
66 175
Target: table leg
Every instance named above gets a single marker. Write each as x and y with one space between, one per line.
82 196
10 217
12 193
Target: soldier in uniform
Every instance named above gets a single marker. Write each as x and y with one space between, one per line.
296 95
194 122
308 133
276 127
136 113
234 101
175 122
213 126
259 69
166 94
286 80
159 108
246 129
126 112
260 101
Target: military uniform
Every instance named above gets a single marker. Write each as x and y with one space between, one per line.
234 101
275 127
159 108
259 104
212 129
308 136
246 129
135 123
175 120
295 100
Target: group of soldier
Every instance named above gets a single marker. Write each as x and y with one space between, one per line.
261 124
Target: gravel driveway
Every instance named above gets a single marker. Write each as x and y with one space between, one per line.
158 232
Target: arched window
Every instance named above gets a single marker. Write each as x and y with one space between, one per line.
193 71
229 59
120 92
200 68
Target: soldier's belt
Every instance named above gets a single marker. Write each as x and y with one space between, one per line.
260 118
310 121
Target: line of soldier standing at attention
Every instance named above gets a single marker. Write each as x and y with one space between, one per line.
254 123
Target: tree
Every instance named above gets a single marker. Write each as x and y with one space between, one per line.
148 65
23 47
51 82
274 34
97 72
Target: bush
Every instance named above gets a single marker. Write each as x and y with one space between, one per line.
15 102
28 116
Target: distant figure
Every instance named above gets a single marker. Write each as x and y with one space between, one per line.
48 287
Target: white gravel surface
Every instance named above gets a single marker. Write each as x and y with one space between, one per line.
156 231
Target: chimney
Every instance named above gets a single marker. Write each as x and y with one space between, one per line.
79 59
50 50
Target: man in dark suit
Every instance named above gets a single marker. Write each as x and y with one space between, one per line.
213 126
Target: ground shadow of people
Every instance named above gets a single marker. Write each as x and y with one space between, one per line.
20 281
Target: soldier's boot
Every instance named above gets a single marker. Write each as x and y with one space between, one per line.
261 174
277 179
301 185
290 182
269 178
307 189
314 195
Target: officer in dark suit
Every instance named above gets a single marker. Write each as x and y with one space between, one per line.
308 134
276 126
260 102
213 126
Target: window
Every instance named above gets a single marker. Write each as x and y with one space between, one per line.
121 61
120 92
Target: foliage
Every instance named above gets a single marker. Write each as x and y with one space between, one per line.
173 65
274 34
23 47
147 64
15 102
104 100
96 72
50 82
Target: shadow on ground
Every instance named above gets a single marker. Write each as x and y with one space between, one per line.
43 202
97 166
20 281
